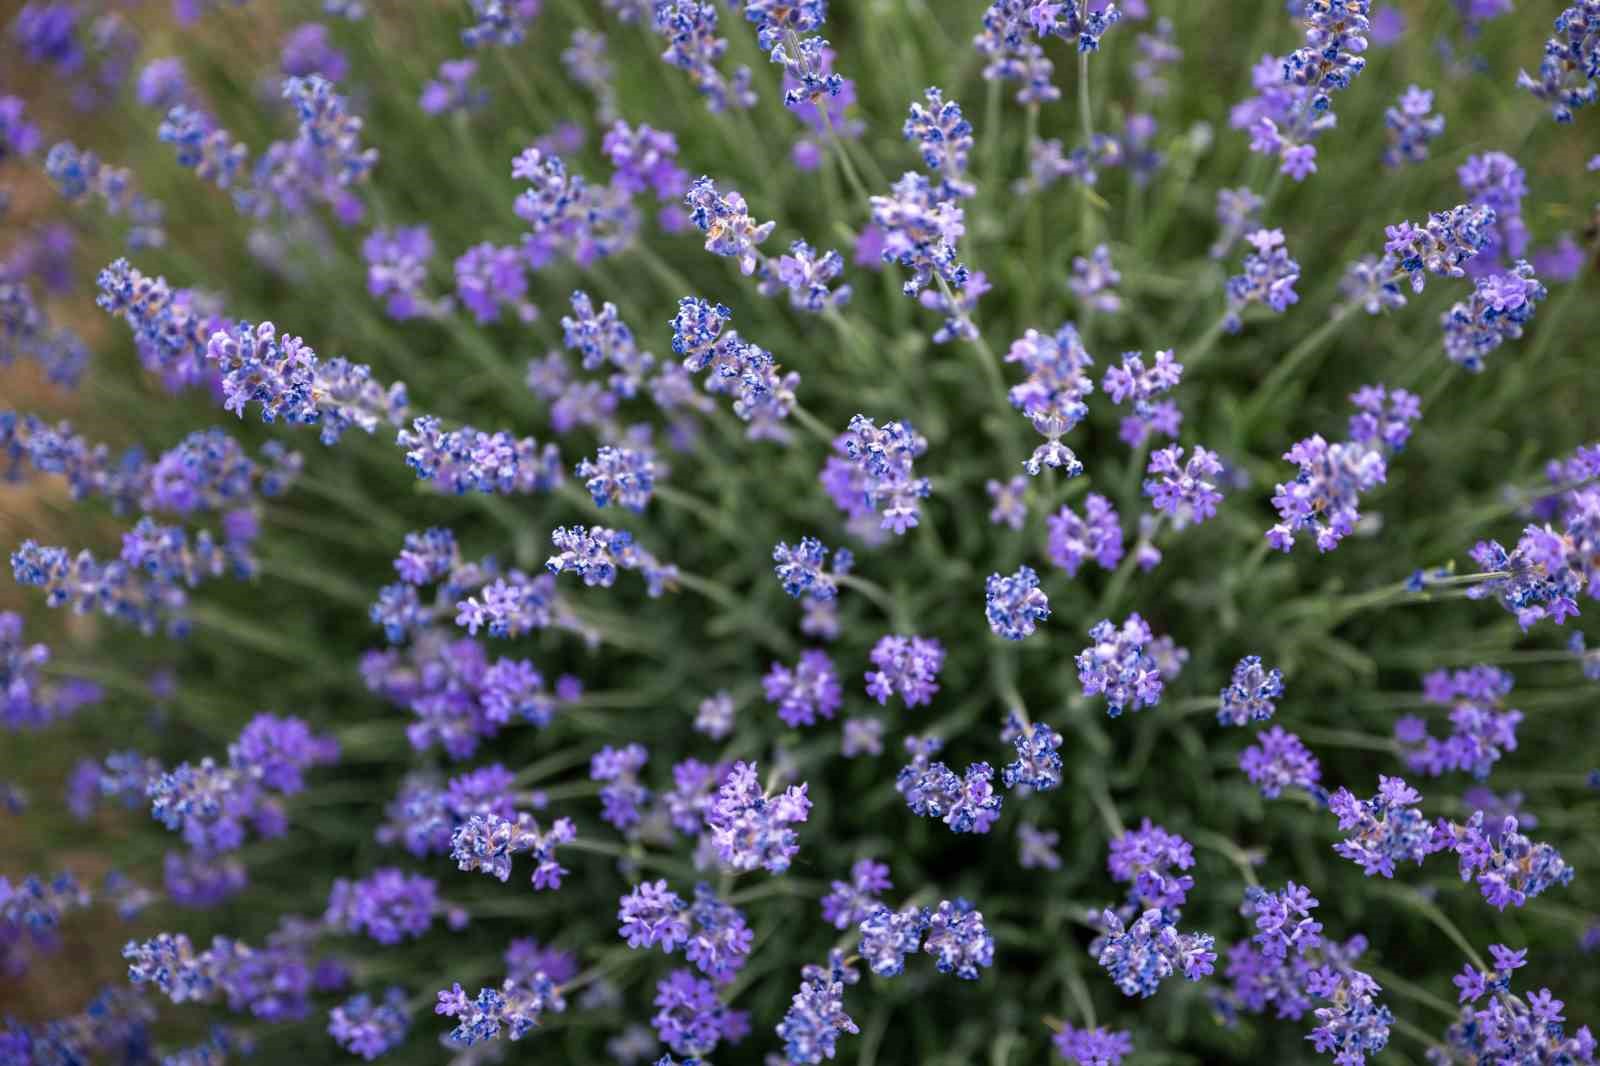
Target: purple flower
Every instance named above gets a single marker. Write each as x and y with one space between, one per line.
653 914
1385 829
489 276
958 940
1092 1047
1253 695
1010 502
1567 78
1094 282
749 828
884 458
966 803
730 230
1140 956
518 1005
453 89
809 689
945 137
1118 664
1442 245
1052 398
811 1027
1500 305
689 1018
363 1027
714 717
906 666
721 940
861 736
850 902
1186 490
487 842
801 570
1037 847
1144 857
1015 604
1510 869
596 555
623 795
389 906
1324 497
1481 729
921 232
690 29
1280 761
499 22
1411 127
887 937
1038 764
1269 277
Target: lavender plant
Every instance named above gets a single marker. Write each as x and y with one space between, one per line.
498 494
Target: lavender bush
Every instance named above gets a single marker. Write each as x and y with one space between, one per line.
688 531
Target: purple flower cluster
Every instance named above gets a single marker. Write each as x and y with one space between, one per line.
1015 604
568 216
487 842
1442 245
749 828
517 1006
626 476
1500 305
690 29
1569 73
365 1027
1119 665
763 394
966 803
800 569
1411 126
1144 858
1037 767
1096 536
1052 398
953 933
1278 761
1094 282
1546 572
389 906
1140 955
849 903
1288 965
1481 728
30 699
1092 1047
811 1027
1510 869
945 138
1253 694
907 667
1511 1027
469 460
80 175
691 1020
1385 829
1324 498
596 555
1184 489
809 689
921 232
1269 278
880 476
